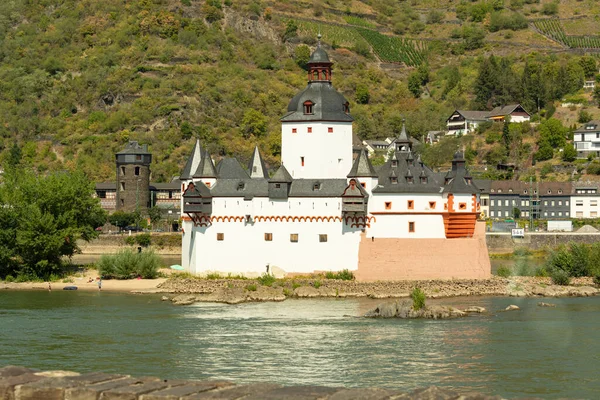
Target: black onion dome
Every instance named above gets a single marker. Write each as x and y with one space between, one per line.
328 104
319 56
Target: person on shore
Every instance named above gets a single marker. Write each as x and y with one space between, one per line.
100 283
49 287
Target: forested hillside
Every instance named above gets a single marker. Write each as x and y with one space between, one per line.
79 78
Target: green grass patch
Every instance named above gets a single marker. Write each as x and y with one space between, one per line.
343 275
266 279
504 272
251 287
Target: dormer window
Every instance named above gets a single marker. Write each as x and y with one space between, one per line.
423 179
409 179
499 190
509 190
394 180
525 191
346 106
308 107
394 163
559 191
549 191
241 186
316 186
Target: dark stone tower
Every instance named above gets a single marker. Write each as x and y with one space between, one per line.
133 177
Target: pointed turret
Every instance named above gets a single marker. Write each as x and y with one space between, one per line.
192 163
257 168
403 142
282 175
419 161
410 158
279 184
362 167
458 179
423 177
206 168
394 163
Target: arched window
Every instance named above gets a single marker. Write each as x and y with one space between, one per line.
308 107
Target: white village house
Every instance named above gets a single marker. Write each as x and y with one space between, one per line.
463 122
323 211
586 139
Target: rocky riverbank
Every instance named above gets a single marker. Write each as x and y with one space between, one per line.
234 291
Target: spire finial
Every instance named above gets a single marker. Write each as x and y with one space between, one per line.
319 36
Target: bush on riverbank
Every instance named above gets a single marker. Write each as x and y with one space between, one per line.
560 277
344 275
574 260
127 264
418 298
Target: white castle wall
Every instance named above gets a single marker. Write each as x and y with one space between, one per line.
394 222
245 250
326 155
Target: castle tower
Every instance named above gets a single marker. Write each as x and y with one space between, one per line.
316 132
133 177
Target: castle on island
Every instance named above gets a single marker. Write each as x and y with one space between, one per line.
326 210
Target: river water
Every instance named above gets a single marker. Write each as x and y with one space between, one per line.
545 352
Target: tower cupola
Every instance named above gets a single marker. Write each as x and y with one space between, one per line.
319 66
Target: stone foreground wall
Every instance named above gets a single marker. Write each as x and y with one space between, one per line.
504 243
18 383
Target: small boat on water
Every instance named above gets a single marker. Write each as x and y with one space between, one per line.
70 288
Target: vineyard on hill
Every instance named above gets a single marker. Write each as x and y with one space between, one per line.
553 29
393 49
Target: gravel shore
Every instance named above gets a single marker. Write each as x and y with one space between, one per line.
235 291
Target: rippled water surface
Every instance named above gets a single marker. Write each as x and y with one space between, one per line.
546 352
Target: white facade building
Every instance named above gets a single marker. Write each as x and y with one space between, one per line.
586 139
585 202
462 122
322 211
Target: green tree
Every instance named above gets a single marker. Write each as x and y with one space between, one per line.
516 213
155 214
486 84
254 123
506 135
596 94
186 130
291 30
553 132
121 219
362 94
588 64
569 153
534 94
302 55
473 37
545 152
550 8
52 213
414 84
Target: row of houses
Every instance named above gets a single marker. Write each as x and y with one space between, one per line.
461 122
499 199
538 200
